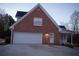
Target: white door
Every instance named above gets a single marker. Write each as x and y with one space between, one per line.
51 37
21 37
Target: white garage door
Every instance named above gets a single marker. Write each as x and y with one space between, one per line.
20 37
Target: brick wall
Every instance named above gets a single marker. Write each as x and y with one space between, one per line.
26 25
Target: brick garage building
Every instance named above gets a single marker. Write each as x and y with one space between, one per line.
36 27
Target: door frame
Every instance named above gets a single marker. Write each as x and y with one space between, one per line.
52 38
46 38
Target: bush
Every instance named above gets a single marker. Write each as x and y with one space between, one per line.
76 39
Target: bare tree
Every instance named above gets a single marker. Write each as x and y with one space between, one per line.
2 11
8 21
75 21
5 20
1 23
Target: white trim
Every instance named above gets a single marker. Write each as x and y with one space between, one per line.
71 39
52 38
12 27
37 21
38 5
66 39
65 31
50 17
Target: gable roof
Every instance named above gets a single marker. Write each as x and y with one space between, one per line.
20 13
38 5
62 27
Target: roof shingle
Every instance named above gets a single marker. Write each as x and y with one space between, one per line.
20 13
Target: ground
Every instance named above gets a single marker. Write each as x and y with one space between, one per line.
37 50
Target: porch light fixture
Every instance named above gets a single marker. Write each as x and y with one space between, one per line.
46 35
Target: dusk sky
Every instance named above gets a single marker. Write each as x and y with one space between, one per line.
60 12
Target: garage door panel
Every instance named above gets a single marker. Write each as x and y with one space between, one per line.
27 37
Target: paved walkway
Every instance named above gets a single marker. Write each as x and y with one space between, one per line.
37 50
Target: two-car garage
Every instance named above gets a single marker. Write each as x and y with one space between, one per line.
27 38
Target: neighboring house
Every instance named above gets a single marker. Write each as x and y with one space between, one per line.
19 14
37 27
66 35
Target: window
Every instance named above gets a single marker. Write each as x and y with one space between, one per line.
51 35
37 21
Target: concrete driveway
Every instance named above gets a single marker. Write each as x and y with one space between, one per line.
37 50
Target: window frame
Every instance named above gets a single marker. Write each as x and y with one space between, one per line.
37 21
